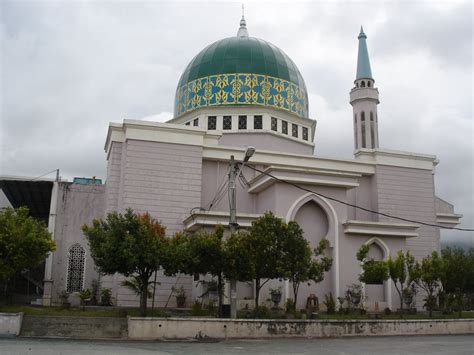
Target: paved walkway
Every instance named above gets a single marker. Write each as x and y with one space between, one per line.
375 345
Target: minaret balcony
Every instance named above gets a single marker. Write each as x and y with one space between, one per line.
364 94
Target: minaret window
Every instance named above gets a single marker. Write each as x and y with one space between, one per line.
305 133
362 84
372 129
211 122
355 131
227 122
196 122
294 130
284 127
364 144
368 84
274 124
242 122
257 122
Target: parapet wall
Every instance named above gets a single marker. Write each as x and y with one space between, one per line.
10 324
179 328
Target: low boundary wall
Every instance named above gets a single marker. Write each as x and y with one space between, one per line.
200 328
74 327
10 324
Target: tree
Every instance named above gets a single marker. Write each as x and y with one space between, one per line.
373 271
24 242
265 237
427 275
239 261
205 254
129 244
457 274
400 271
297 262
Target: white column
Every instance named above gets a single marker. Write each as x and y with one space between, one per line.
48 268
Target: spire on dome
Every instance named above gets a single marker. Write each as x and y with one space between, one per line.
363 62
242 32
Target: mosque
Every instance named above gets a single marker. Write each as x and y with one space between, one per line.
241 92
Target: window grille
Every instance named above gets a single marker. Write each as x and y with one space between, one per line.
227 122
305 133
294 130
274 124
196 122
257 122
284 127
75 268
211 122
242 122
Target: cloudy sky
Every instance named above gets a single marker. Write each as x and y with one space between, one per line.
69 68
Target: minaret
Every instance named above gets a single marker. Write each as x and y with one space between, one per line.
364 100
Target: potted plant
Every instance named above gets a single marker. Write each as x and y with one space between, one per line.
64 298
212 291
275 294
85 295
106 297
355 294
407 296
180 295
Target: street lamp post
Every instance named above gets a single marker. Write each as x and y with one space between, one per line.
234 172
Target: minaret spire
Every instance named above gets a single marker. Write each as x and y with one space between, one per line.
364 100
363 62
242 32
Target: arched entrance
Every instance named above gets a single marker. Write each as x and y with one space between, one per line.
318 219
380 292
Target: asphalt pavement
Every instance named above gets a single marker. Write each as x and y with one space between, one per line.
459 344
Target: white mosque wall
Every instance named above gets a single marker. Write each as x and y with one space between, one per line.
114 168
409 193
77 205
163 179
267 141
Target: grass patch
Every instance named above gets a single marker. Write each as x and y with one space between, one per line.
135 312
78 312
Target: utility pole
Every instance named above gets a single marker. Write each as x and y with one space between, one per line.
235 169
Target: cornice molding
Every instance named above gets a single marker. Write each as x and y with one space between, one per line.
364 228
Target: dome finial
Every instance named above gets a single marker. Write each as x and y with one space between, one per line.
242 32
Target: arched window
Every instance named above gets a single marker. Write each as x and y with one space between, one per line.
75 268
356 137
372 130
368 84
362 126
362 84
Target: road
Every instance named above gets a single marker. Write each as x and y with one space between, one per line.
374 345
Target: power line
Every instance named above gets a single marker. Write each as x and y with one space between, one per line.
49 172
359 207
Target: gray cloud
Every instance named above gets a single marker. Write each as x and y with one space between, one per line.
68 69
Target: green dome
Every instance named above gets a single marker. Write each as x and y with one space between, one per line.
242 71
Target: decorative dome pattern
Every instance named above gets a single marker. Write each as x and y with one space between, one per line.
242 71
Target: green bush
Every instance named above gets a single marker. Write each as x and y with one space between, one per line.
290 305
106 297
197 309
262 312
